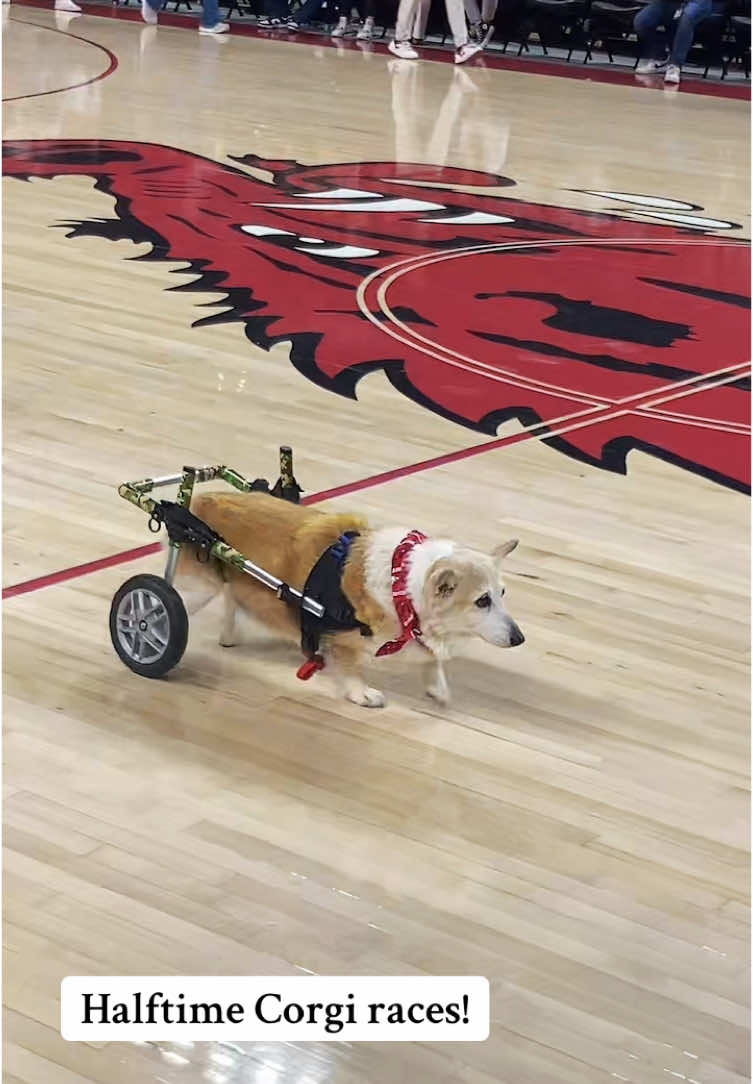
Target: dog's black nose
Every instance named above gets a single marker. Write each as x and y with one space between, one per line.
516 637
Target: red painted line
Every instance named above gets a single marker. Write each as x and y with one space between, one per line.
542 430
556 68
415 468
80 570
74 86
313 498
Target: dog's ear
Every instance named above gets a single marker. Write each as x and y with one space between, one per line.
500 552
443 581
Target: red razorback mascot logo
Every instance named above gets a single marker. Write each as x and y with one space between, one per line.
599 333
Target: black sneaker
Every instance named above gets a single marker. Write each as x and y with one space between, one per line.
480 33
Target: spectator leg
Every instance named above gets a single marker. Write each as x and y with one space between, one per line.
646 25
694 12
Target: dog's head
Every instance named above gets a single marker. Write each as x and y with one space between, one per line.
464 596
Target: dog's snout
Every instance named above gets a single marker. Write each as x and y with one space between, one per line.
516 637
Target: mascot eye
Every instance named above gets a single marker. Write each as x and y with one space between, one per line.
484 602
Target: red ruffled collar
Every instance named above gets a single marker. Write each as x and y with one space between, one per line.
410 626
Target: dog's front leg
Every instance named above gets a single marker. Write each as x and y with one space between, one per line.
436 681
227 631
345 656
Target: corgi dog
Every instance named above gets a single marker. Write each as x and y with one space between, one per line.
402 586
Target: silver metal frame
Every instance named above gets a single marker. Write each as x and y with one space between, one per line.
138 493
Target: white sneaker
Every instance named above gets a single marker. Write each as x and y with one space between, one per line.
218 28
366 33
403 49
341 29
672 75
148 14
465 52
650 67
66 5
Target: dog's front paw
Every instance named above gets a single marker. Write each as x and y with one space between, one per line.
367 698
437 688
439 693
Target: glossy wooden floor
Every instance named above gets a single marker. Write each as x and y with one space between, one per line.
574 826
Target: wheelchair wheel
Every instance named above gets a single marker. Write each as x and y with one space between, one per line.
148 625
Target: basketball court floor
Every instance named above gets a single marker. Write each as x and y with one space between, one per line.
490 302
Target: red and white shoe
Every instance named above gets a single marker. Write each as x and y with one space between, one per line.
467 52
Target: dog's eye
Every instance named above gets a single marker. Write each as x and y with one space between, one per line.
484 602
502 592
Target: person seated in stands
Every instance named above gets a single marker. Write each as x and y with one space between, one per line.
305 15
679 22
361 21
480 20
275 15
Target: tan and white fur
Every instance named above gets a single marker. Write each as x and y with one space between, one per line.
457 592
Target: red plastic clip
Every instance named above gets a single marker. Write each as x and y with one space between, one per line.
310 667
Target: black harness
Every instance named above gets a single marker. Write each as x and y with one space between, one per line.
324 585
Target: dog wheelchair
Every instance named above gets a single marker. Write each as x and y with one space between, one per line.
148 620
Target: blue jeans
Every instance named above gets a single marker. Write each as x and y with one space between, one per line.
210 10
662 13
